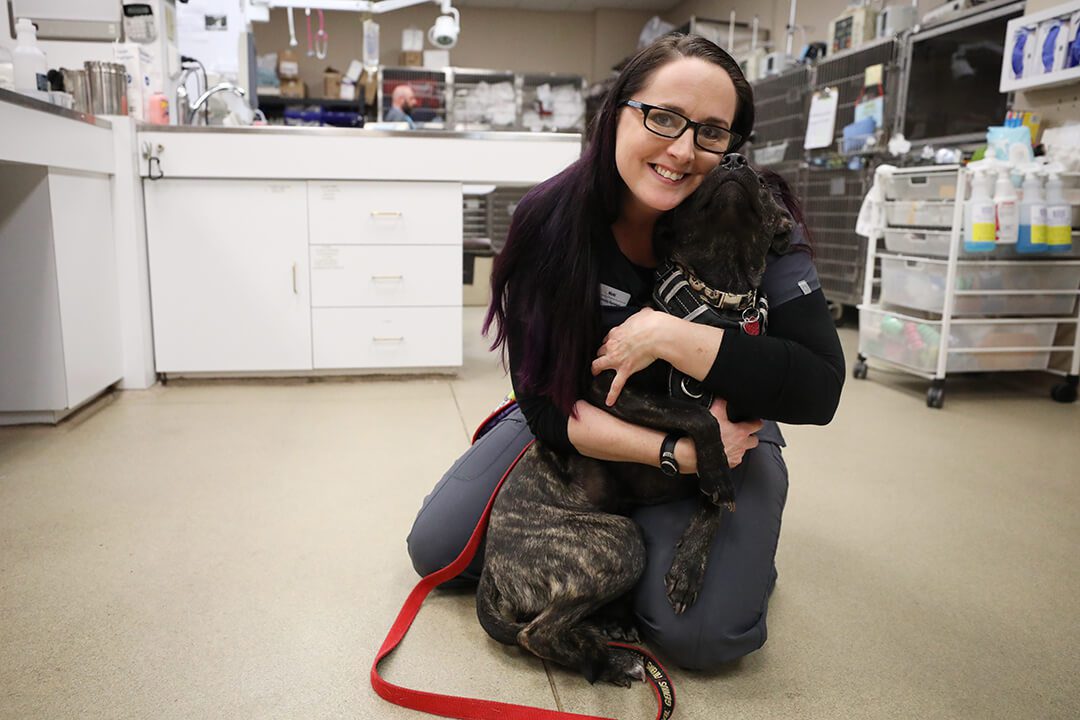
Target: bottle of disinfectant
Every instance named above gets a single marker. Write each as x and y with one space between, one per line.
1006 210
979 220
1058 217
31 68
1032 235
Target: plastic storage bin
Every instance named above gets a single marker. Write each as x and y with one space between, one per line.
914 342
919 213
928 186
920 285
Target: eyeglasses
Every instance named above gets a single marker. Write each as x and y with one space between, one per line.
670 124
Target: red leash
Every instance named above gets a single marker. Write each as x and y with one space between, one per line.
472 708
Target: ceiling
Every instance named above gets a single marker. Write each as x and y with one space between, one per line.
572 5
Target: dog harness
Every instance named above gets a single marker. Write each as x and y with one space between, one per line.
680 293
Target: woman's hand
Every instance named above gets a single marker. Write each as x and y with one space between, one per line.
628 348
738 437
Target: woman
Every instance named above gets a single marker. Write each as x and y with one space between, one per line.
576 274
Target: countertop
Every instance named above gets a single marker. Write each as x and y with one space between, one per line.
26 101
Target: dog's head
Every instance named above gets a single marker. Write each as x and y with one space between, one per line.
724 231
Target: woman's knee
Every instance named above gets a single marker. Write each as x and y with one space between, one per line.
709 642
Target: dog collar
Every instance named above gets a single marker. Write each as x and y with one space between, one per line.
716 298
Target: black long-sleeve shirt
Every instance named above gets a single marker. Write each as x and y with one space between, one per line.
794 374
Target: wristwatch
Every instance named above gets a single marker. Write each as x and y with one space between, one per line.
668 465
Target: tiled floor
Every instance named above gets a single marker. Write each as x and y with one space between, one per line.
236 550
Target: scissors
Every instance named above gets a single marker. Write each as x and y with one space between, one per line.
321 43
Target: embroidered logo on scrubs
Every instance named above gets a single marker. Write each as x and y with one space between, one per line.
613 297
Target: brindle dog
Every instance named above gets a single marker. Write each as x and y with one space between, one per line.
560 549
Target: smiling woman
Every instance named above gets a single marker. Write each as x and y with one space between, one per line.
572 298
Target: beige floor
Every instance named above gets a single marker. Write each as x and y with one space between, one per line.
236 550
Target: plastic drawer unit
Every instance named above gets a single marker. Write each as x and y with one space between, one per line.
914 342
920 283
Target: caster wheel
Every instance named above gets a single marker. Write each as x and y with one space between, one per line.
860 369
1063 393
935 397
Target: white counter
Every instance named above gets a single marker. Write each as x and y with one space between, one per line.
317 250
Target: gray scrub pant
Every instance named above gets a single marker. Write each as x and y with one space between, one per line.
728 619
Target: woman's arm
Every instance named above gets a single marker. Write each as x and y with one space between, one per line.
793 375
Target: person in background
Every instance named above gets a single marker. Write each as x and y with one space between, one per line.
577 273
402 104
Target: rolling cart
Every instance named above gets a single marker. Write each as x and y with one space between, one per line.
943 310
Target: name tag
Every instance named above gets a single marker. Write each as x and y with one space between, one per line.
613 297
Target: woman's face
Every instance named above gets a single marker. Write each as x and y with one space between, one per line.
660 172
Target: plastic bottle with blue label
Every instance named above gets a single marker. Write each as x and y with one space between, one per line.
980 223
1058 217
1032 235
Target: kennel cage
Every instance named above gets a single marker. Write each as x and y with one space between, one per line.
430 87
781 104
838 177
482 99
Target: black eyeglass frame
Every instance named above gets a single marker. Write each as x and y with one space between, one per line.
645 108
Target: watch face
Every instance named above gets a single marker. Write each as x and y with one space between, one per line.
669 467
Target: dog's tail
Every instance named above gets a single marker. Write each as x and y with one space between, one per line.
497 626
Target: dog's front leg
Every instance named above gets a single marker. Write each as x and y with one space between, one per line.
661 412
686 575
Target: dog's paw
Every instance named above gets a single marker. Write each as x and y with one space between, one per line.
683 583
624 668
612 630
718 488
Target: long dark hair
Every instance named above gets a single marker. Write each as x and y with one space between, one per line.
545 281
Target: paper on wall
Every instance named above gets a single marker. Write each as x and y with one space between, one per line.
821 125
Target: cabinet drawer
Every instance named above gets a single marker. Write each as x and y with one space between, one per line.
384 213
381 275
386 337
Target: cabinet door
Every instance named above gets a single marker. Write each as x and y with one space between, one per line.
229 275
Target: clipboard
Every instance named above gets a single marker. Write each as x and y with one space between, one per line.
821 124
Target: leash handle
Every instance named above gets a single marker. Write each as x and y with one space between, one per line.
473 708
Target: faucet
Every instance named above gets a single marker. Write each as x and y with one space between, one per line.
205 97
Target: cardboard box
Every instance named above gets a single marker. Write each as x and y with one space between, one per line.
288 67
331 83
436 59
137 60
412 59
293 89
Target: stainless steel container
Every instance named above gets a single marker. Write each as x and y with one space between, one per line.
108 87
77 85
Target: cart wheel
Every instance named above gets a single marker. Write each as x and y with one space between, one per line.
859 371
1064 393
935 397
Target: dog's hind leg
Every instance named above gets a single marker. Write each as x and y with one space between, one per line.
488 611
559 634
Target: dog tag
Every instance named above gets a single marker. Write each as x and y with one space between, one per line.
613 297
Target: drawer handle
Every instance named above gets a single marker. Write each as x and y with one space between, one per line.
385 338
377 278
295 291
385 213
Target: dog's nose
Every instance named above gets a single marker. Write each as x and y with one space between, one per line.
733 161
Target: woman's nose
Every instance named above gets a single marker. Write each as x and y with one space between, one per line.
682 147
733 161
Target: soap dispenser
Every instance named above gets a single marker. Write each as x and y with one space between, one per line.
980 227
1032 235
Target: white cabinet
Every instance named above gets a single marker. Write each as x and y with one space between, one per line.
256 276
229 275
386 274
61 343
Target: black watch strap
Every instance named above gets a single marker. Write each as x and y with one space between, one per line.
668 464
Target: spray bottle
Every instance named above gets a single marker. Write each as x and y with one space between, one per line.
31 68
1032 235
1058 217
979 220
1006 210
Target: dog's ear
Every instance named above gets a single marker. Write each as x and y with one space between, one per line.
782 237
